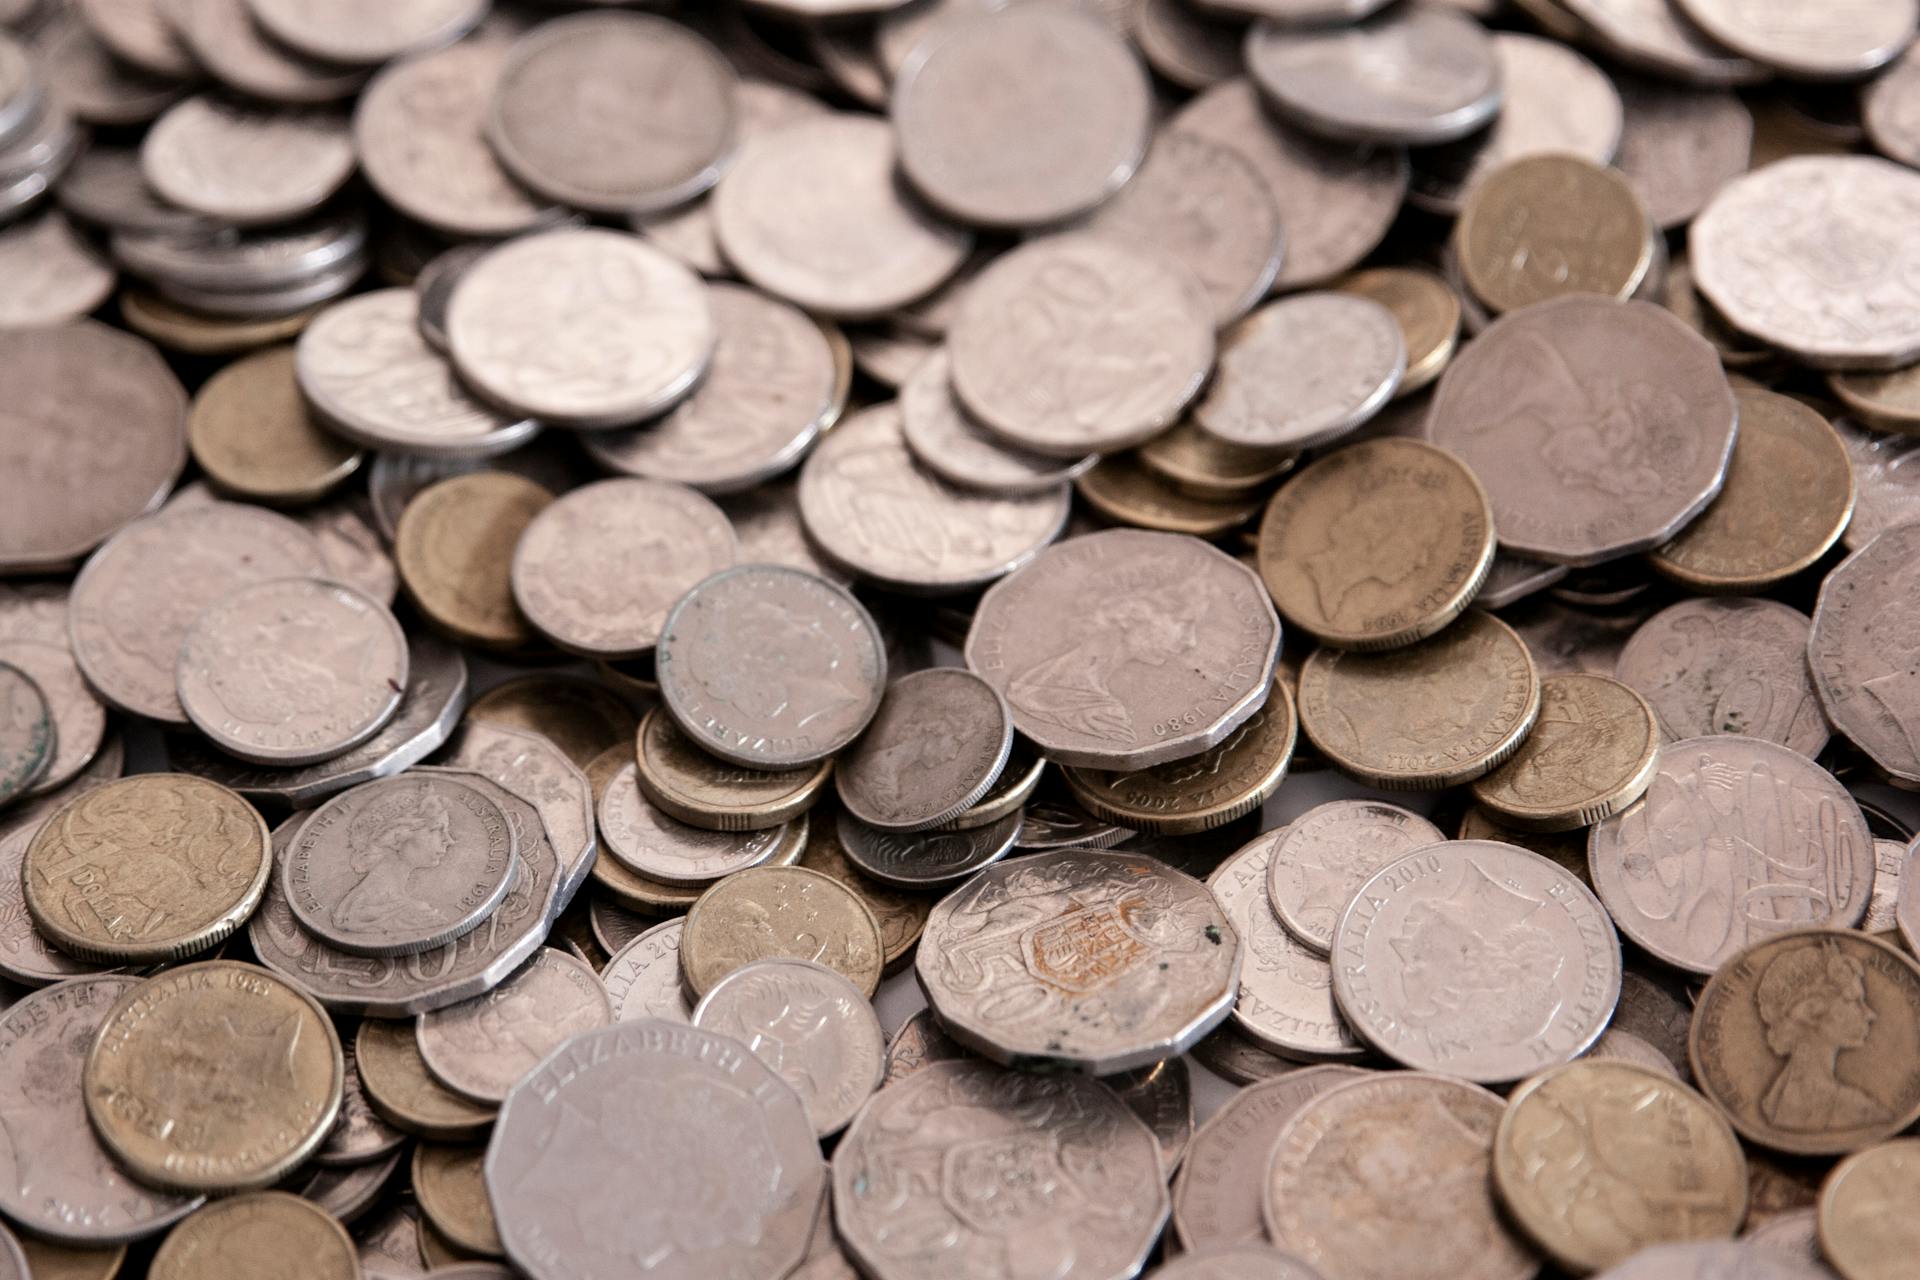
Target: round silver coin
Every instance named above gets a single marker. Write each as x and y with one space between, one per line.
767 522
649 843
77 720
1303 371
368 31
1680 145
925 859
230 46
1654 36
1841 41
1477 959
1886 484
946 440
137 31
1861 655
659 1092
53 276
481 1048
1185 47
937 744
247 165
93 85
1008 962
1325 855
643 977
771 667
811 1026
104 188
1889 110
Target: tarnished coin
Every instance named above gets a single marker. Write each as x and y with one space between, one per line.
400 1089
1862 667
1303 371
1207 467
213 1077
946 440
1681 144
1323 856
77 394
369 30
770 667
254 437
246 165
1418 76
26 956
1565 1140
360 1137
870 508
925 859
689 784
1882 917
1545 226
250 1234
1863 1228
1888 401
1855 38
949 1118
1619 437
46 1261
937 744
780 912
919 1043
1422 946
136 31
400 866
598 569
582 327
1427 309
1126 493
1092 961
452 1191
1337 1190
1803 1040
1235 1262
643 977
1377 545
454 550
1884 489
653 845
1592 752
54 276
659 1092
481 1047
1126 649
27 732
1728 666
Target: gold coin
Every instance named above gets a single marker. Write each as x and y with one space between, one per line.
179 329
1209 468
454 548
1870 1212
602 769
685 782
901 916
1806 1041
452 1192
436 1251
630 889
1557 1152
1125 492
399 1087
1436 714
1200 792
251 432
1889 400
576 715
1549 225
1568 848
151 868
1428 311
1377 545
1592 752
62 1262
1012 789
217 1076
781 912
265 1233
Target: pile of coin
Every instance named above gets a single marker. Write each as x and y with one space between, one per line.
823 638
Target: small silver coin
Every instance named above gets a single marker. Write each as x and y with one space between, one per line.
226 41
531 767
349 1191
771 667
615 926
1888 110
1859 651
26 956
399 866
939 741
1328 852
811 1026
434 286
292 671
1053 822
946 440
369 31
1185 47
480 1048
925 859
643 977
651 844
254 260
1303 371
247 165
53 276
77 721
1843 41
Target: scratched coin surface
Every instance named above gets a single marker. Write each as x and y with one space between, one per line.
244 164
1425 944
1096 961
1736 839
937 744
1862 669
780 912
651 844
1125 649
1860 1229
1303 371
643 977
480 1048
1592 752
1323 856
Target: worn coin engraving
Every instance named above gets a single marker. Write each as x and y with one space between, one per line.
27 732
25 954
1728 666
775 912
480 1047
643 977
1862 667
1592 752
1323 856
939 741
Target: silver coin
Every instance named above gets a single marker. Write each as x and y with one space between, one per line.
1306 13
918 1043
926 859
224 38
78 721
1336 202
400 866
94 86
1061 314
1053 822
77 394
615 112
254 304
53 276
136 31
348 1191
1621 436
528 765
35 611
1023 117
1728 665
979 1131
25 954
1738 839
104 187
771 667
888 353
582 328
1859 652
246 165
355 555
1008 962
359 1136
869 507
1713 1260
365 368
1427 939
945 439
107 765
1325 855
1654 36
658 1091
811 1026
767 522
419 130
1889 110
1303 371
1846 40
236 261
643 977
434 288
771 388
854 247
389 1243
21 92
1187 48
614 927
599 568
1411 75
135 601
939 741
1125 649
1860 313
650 844
1236 1262
480 1048
366 31
1513 578
1886 485
1680 145
56 1179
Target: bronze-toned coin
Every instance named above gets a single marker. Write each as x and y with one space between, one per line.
59 1262
217 1076
1889 401
1200 792
706 791
1805 1041
1208 467
1377 545
265 1233
1868 1229
1435 714
453 1196
147 869
190 332
1428 311
1011 790
1125 492
635 892
901 916
578 716
786 912
454 548
1592 752
251 432
1788 496
400 1088
1655 1153
1544 226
